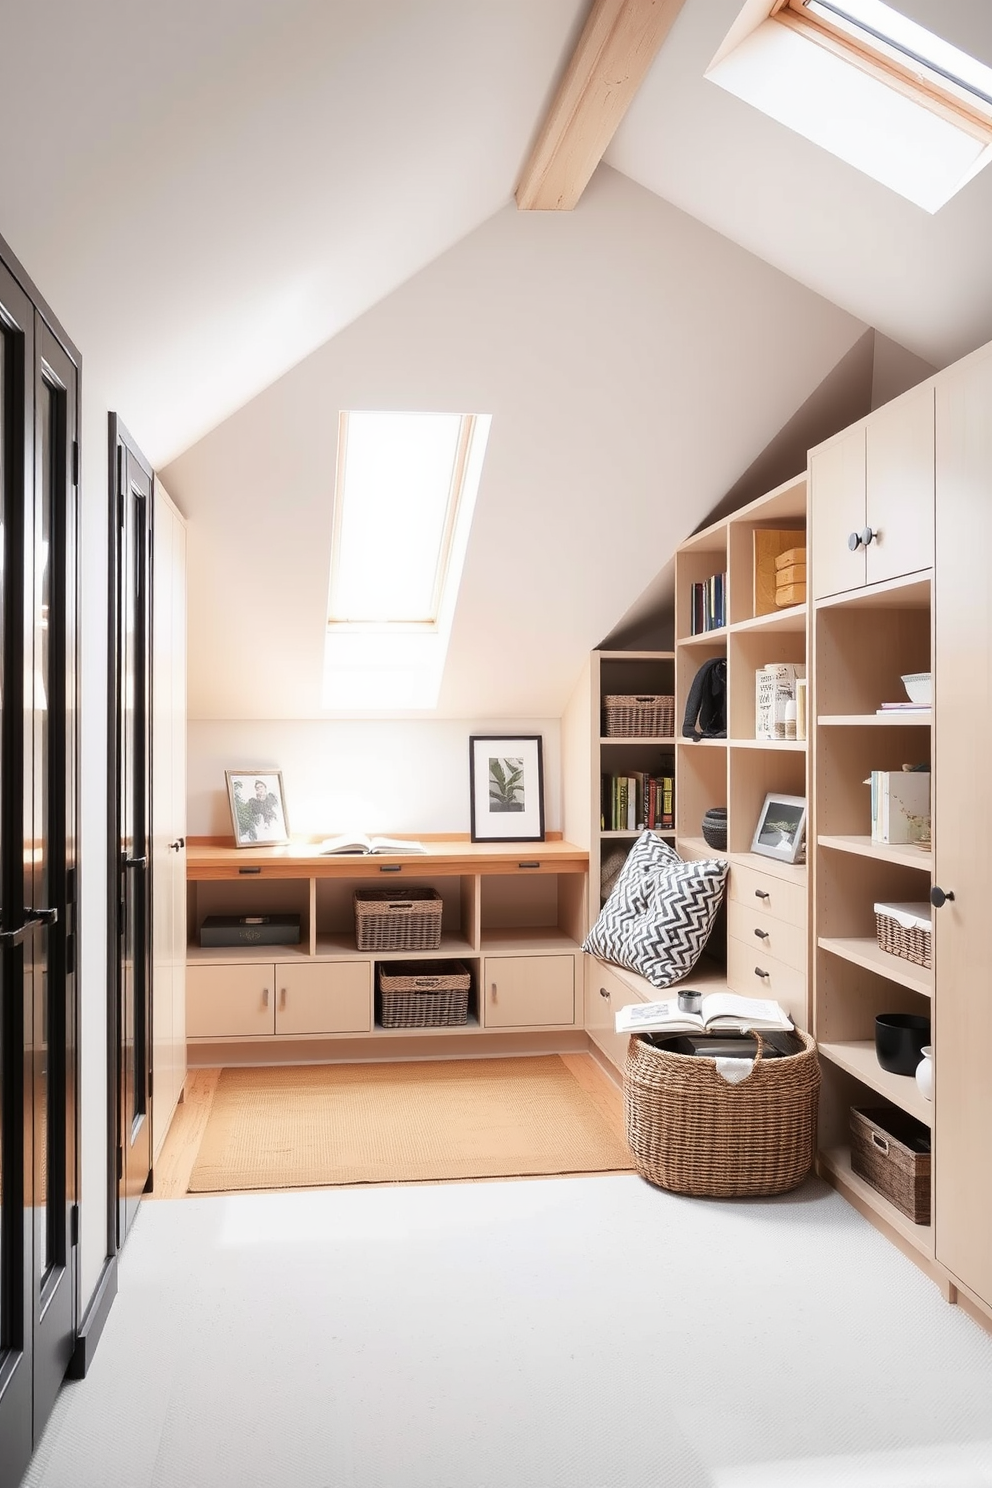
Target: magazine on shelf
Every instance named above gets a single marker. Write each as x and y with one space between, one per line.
720 1011
357 842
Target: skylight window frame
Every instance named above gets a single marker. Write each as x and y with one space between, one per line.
890 65
429 624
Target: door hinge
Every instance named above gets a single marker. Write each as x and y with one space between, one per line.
151 1083
74 1225
70 954
120 1163
75 462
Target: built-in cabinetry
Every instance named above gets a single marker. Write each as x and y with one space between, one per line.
925 462
514 914
168 816
766 910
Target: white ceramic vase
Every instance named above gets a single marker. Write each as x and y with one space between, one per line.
924 1073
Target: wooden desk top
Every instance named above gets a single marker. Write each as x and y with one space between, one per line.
441 858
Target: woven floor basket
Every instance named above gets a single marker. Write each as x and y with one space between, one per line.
645 717
912 944
428 994
693 1133
388 921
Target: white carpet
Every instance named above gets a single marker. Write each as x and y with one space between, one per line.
573 1333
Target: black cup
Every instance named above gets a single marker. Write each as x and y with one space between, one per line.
899 1040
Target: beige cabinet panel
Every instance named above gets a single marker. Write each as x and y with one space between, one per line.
899 502
962 806
528 991
837 508
328 997
766 935
230 1001
773 896
754 974
605 995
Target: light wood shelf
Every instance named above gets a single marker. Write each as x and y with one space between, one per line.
859 1059
607 741
792 619
869 955
783 746
906 853
875 720
698 847
630 836
705 637
791 872
836 1161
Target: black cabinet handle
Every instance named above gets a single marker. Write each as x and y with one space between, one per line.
176 846
854 541
765 974
135 862
939 896
761 894
603 993
762 934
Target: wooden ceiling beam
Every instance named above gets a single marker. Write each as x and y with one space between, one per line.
619 42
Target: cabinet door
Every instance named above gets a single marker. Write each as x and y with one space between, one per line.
837 509
329 997
605 995
899 503
230 1001
962 810
529 991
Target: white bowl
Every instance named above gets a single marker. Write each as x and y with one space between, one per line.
918 687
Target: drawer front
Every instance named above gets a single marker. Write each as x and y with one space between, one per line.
784 984
528 991
773 896
329 997
605 995
767 936
230 1001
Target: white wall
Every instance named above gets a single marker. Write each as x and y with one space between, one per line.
407 777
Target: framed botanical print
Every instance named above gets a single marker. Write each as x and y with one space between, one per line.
507 787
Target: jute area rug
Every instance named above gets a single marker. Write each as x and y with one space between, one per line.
320 1125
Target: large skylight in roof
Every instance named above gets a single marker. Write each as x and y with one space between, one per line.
865 82
404 497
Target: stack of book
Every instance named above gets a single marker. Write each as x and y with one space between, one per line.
900 805
775 688
709 604
632 802
790 577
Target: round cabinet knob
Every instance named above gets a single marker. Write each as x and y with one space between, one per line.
854 541
868 536
938 896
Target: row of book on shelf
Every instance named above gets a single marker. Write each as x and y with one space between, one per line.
632 802
709 604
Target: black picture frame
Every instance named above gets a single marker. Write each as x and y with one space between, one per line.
506 787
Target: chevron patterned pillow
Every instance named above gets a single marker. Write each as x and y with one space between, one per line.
661 911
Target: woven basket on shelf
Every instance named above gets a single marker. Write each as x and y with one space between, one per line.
388 921
424 994
645 717
912 944
714 828
691 1132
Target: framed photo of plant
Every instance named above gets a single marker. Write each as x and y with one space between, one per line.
507 787
781 829
258 808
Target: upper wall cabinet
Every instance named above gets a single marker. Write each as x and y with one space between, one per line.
872 498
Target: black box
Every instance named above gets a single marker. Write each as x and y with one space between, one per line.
239 930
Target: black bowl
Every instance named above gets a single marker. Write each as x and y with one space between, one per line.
899 1040
714 827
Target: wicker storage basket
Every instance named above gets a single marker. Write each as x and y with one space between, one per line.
691 1132
644 717
911 943
423 994
891 1150
388 921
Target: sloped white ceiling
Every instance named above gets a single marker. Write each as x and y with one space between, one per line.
634 363
207 190
923 280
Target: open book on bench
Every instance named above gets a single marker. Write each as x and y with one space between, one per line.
720 1013
357 842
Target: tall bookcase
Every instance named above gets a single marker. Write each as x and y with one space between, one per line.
767 919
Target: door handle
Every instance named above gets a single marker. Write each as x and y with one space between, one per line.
179 843
135 862
34 919
939 896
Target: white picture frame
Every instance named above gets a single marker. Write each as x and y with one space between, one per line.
258 808
781 829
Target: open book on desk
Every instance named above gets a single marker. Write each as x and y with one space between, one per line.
721 1011
357 842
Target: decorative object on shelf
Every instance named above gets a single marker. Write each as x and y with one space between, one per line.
774 689
423 994
692 1131
904 930
781 829
659 916
236 930
919 687
258 808
714 828
790 578
924 1073
891 1151
506 787
771 544
801 696
708 602
900 1039
649 716
706 705
900 804
386 920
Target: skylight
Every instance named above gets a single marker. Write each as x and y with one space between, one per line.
871 86
404 496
